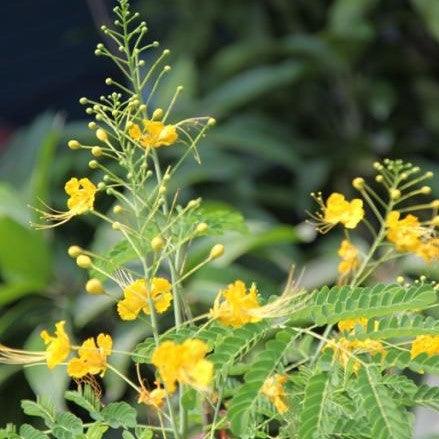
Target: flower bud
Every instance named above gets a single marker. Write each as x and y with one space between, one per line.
395 194
400 280
379 178
425 190
116 226
74 251
157 114
73 144
358 183
435 221
92 125
157 243
201 228
93 164
162 190
101 135
83 101
117 209
194 203
216 252
378 166
429 174
94 286
96 151
435 204
211 122
83 261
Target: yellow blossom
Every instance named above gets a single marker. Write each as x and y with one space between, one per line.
425 343
234 306
349 324
344 350
136 298
154 134
338 210
92 357
184 363
404 233
429 250
273 389
58 345
154 398
349 258
81 199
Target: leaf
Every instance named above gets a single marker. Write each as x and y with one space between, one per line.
85 399
420 364
96 431
247 86
313 419
427 396
331 305
29 432
242 405
386 419
397 326
67 426
41 409
429 11
119 414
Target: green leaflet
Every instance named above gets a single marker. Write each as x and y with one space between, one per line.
331 305
427 396
67 426
85 399
398 326
119 414
243 402
29 432
386 419
401 359
313 422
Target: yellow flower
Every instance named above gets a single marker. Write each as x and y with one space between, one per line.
273 389
154 134
425 343
136 298
338 210
154 398
92 358
345 349
349 324
58 346
429 250
349 258
184 363
404 233
234 306
81 199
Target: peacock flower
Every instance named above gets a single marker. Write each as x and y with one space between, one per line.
425 343
154 134
429 250
338 210
350 324
349 258
154 398
137 296
58 345
183 363
81 200
345 351
92 357
236 306
405 233
273 389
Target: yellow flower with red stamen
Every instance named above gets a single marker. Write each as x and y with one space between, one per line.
154 134
425 343
405 233
58 345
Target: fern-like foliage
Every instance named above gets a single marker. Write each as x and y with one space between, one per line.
313 417
241 407
401 359
330 305
386 419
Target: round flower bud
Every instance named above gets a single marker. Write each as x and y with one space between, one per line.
83 101
101 185
435 204
216 252
96 151
162 190
93 164
435 221
378 166
83 261
400 280
193 203
94 286
101 135
116 226
201 228
157 114
395 194
157 243
74 251
117 209
108 81
425 190
358 183
92 125
73 144
429 174
211 121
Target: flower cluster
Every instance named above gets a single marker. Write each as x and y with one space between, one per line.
273 388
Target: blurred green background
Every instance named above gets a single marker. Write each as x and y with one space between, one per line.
307 94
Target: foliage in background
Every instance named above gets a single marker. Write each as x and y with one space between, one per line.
306 93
